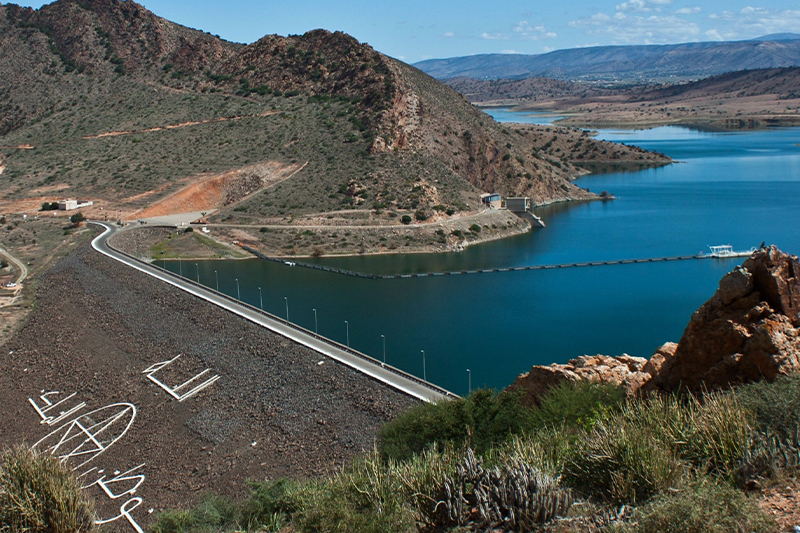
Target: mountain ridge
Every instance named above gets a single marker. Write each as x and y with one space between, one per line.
623 62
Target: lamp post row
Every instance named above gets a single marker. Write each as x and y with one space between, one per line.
316 323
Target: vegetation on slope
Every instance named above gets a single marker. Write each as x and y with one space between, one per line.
103 99
587 459
38 494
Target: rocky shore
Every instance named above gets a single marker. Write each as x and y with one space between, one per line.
278 409
749 330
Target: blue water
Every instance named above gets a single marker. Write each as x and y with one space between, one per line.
504 114
728 188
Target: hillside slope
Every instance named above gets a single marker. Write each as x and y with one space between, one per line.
103 99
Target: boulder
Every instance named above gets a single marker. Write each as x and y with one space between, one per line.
749 330
624 371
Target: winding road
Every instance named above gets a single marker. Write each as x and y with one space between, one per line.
23 273
387 374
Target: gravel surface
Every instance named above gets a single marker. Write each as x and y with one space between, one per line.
279 409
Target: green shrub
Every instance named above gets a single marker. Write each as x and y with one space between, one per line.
775 406
405 219
366 497
704 508
581 403
39 494
710 433
77 218
481 419
211 514
270 502
475 228
622 461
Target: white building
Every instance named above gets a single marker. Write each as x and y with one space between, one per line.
71 204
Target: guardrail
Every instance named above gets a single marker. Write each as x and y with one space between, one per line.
286 323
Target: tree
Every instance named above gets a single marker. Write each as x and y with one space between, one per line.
77 218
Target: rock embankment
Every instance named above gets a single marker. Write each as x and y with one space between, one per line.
278 408
749 330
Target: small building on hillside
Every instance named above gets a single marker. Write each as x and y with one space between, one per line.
491 199
71 204
518 204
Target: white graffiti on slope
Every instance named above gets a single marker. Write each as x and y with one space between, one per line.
125 512
129 482
173 391
90 434
47 406
123 477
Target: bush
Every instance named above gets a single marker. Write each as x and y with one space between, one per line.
367 497
77 218
405 219
581 403
481 419
623 462
421 215
213 513
775 406
39 494
475 228
704 508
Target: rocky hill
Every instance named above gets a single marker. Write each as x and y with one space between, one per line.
103 99
633 62
748 331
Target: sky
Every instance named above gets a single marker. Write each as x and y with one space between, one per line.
413 30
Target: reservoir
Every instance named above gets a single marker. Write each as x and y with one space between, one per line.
740 188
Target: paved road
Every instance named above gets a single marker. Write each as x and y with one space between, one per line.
23 273
389 375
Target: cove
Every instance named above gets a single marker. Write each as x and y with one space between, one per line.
727 188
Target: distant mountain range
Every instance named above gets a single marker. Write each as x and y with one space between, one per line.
627 63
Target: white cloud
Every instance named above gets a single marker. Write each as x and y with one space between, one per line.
633 28
754 22
493 36
449 34
510 52
642 6
633 5
533 33
688 11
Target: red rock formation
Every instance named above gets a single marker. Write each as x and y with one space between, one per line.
625 371
746 331
749 330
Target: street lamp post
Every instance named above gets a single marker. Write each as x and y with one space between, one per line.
469 373
347 325
260 298
384 349
238 292
216 277
286 299
197 270
316 328
180 266
424 370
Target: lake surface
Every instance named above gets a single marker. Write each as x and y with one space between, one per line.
727 188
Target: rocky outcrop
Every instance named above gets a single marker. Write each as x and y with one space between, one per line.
624 371
749 330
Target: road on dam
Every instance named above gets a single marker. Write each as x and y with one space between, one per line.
387 374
